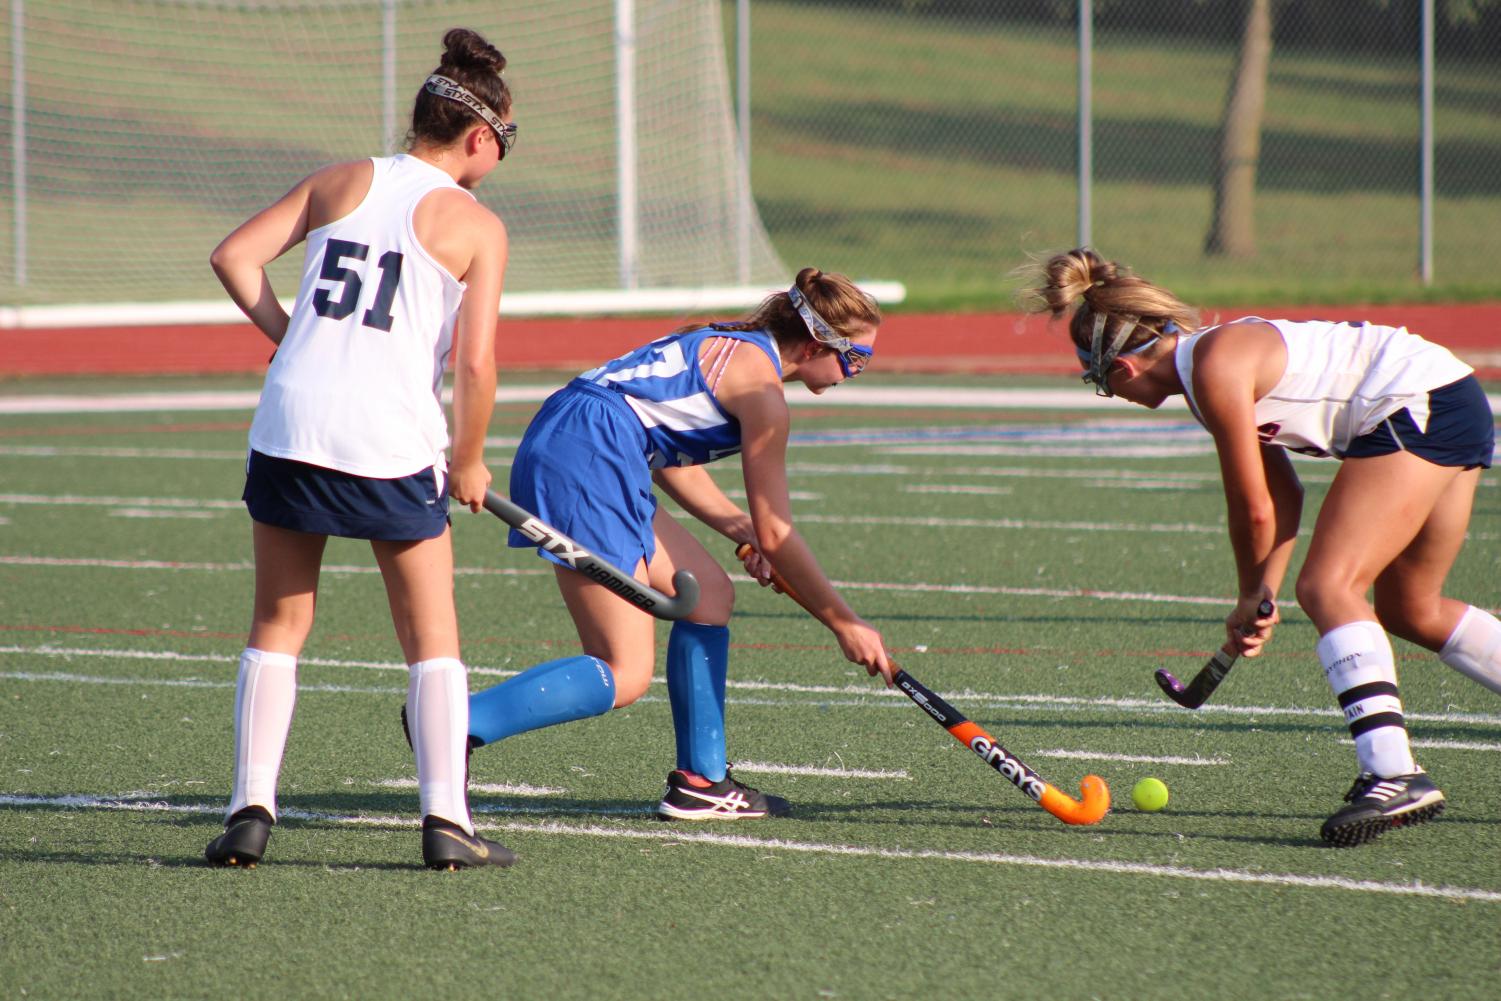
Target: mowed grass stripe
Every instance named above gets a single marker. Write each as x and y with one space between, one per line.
679 836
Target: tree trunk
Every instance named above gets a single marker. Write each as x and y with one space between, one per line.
1232 231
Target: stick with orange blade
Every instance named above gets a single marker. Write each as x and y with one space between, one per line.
1094 794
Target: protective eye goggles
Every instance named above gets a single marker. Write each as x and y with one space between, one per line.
505 132
1097 361
852 357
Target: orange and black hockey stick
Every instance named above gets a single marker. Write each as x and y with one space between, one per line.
1094 795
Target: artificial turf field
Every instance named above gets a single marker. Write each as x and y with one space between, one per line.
1032 564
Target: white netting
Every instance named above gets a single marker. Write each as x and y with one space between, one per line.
153 127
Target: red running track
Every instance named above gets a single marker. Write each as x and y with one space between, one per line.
991 343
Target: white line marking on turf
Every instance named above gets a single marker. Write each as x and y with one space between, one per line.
140 512
956 488
865 696
336 568
490 788
1141 758
679 836
763 768
1179 528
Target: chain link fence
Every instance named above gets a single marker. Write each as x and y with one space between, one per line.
939 142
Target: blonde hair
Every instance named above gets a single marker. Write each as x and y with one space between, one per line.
1089 285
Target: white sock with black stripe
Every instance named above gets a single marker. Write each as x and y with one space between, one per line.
1474 648
1359 664
438 718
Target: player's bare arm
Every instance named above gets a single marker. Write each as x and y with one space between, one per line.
476 253
751 392
1229 368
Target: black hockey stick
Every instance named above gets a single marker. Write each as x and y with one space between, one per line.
1197 691
646 598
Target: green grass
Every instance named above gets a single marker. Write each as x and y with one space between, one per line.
116 685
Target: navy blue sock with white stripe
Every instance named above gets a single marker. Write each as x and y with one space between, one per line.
1359 664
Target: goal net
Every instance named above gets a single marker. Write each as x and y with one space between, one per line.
139 132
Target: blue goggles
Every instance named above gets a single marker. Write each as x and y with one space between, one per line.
852 357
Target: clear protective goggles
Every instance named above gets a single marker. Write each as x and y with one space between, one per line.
852 357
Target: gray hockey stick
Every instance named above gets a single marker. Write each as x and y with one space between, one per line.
646 598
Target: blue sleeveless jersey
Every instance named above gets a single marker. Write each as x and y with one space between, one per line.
663 383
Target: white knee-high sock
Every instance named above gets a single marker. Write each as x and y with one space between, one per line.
264 697
1359 664
438 716
1474 648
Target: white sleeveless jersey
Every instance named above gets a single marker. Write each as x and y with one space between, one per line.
356 383
1341 381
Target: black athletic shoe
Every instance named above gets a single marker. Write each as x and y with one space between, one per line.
446 846
244 839
693 797
1377 805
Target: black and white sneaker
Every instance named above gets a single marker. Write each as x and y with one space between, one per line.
693 797
445 845
244 839
1376 805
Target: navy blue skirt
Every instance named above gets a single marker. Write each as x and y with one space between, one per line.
1461 430
305 498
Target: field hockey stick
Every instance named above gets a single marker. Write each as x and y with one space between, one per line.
1094 795
1197 691
648 599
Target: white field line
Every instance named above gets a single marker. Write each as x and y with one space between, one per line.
1139 758
489 788
956 488
858 695
677 837
333 568
764 768
100 452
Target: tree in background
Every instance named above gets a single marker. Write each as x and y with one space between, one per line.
1232 226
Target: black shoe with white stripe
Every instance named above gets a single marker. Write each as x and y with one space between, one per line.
693 797
1377 805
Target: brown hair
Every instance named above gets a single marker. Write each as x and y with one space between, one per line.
473 64
834 297
1091 286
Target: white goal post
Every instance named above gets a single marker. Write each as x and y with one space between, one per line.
142 131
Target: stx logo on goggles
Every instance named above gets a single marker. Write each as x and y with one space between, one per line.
1019 774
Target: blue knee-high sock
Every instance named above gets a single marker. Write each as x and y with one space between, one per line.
551 693
698 658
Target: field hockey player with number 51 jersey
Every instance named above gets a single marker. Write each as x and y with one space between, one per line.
1412 429
402 271
586 467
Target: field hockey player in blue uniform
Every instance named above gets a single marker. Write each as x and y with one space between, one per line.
1412 429
586 466
403 270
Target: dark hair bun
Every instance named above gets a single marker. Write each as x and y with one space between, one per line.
466 50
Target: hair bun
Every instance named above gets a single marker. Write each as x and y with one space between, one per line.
467 50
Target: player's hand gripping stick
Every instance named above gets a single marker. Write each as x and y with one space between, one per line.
1094 794
1197 692
648 599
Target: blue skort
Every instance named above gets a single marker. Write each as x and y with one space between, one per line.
582 468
